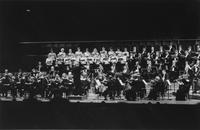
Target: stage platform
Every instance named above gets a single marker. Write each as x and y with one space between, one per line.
193 100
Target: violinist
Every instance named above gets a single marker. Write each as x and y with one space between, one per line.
85 82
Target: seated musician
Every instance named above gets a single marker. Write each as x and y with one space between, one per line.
106 64
171 49
54 88
155 88
5 72
42 85
183 91
152 53
187 68
161 51
137 68
120 85
189 50
144 52
156 60
52 55
120 64
85 82
164 76
198 48
174 71
125 52
6 81
134 50
167 60
180 50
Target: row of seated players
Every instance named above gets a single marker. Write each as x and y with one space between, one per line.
79 81
52 86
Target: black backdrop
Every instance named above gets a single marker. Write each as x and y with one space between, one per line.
88 20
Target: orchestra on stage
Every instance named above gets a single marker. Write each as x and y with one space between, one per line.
109 73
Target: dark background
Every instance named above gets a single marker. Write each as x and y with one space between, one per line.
63 115
81 20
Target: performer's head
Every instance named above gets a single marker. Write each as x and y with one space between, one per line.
51 50
6 71
125 49
70 50
62 49
152 48
87 50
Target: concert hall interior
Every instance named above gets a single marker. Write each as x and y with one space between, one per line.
130 63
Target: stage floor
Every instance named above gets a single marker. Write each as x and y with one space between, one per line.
166 100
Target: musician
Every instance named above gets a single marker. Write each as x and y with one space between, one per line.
85 82
106 65
103 52
111 90
62 53
187 68
198 48
111 52
70 53
161 51
155 88
164 76
118 52
95 52
183 91
180 50
39 67
54 88
174 71
134 50
42 85
153 53
144 52
49 62
125 52
78 53
171 49
87 53
52 55
6 82
119 86
167 60
76 71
